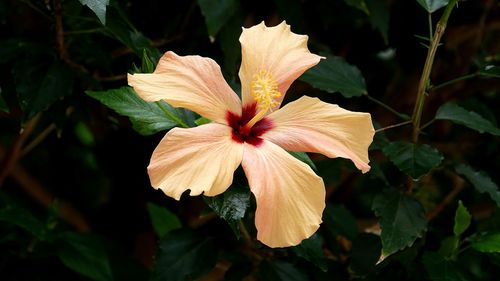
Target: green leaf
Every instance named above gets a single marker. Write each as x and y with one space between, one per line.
449 246
402 220
147 66
184 255
440 269
162 219
379 17
3 105
414 160
84 134
24 219
433 5
231 206
481 181
98 7
217 13
358 4
147 118
85 254
277 270
456 114
462 219
365 253
490 70
311 249
334 74
339 221
304 157
486 243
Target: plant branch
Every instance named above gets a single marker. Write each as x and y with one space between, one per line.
393 126
458 185
400 115
423 84
455 80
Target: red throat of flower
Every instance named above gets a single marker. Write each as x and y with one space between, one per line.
242 131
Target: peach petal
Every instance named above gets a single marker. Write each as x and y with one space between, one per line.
290 197
277 50
310 125
191 82
202 159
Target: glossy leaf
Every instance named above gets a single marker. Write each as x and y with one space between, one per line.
184 255
486 243
414 160
217 13
459 115
98 7
86 255
162 219
365 253
440 269
231 206
311 249
333 75
147 118
481 181
402 220
462 219
433 5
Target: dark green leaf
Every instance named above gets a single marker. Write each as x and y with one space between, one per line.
147 118
490 70
184 255
277 270
231 206
365 253
98 7
292 12
86 255
358 4
379 17
402 220
440 269
449 246
230 46
311 249
414 160
3 104
486 243
481 181
462 219
456 114
339 221
162 219
433 5
334 74
302 156
84 134
148 66
24 219
217 13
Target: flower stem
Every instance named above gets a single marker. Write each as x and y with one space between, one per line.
170 115
400 115
458 79
393 126
423 85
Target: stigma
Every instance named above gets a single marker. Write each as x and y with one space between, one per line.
264 90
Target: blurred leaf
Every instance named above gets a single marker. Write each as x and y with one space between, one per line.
85 254
13 47
339 221
277 270
217 13
365 253
462 219
304 157
84 134
440 269
3 105
184 255
98 7
231 206
449 246
379 17
414 160
334 74
162 219
402 220
24 219
228 41
291 12
486 243
432 5
311 249
358 4
147 118
490 70
481 181
456 114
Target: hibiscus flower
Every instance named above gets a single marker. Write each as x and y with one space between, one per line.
254 132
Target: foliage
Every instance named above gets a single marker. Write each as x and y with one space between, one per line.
75 199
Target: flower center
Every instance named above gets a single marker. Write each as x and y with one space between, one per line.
264 90
241 132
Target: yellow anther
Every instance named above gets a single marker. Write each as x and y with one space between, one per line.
264 90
